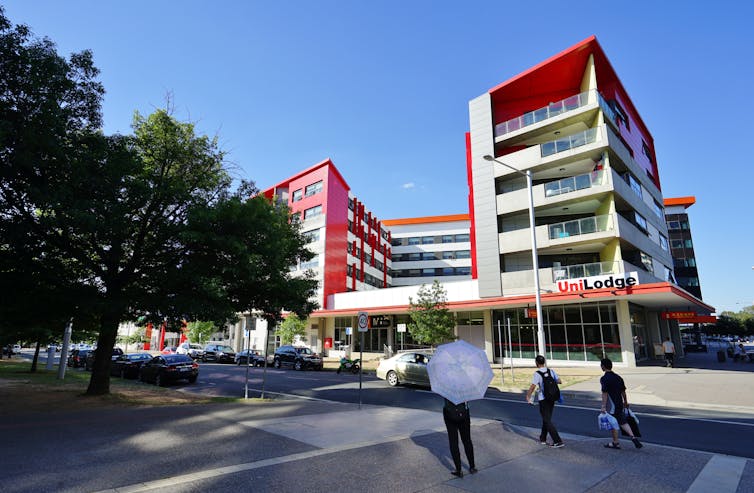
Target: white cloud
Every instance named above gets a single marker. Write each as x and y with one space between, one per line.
409 185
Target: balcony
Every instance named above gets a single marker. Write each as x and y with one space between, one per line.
574 183
552 110
581 226
584 270
569 142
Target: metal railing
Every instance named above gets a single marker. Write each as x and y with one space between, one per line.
570 142
541 114
584 270
573 183
581 226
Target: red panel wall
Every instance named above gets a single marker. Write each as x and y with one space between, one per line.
336 238
472 232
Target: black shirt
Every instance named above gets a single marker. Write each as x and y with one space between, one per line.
614 386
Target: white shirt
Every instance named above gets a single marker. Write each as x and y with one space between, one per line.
668 347
537 380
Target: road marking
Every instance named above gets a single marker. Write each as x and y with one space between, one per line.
721 474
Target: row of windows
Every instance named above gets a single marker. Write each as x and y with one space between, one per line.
310 264
416 256
368 278
684 262
675 244
311 236
308 191
435 272
678 225
430 240
688 281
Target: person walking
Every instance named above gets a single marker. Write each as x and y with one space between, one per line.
546 403
614 391
458 421
669 349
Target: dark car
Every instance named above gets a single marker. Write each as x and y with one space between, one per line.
77 358
255 359
167 368
128 365
89 359
219 352
300 358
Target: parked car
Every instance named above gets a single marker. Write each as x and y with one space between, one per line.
218 352
166 368
128 365
90 355
409 367
77 358
300 358
255 359
194 350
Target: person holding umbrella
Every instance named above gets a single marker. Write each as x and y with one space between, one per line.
460 372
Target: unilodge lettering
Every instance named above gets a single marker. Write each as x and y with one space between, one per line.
583 284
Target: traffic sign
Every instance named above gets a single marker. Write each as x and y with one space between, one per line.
401 327
363 321
349 331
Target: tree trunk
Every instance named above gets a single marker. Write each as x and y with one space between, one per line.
99 384
35 359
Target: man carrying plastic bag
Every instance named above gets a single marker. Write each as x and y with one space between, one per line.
614 390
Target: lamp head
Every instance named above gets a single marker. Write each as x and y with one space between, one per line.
487 157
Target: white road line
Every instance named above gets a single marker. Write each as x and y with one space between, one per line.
721 475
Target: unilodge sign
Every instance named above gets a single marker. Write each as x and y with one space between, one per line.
619 281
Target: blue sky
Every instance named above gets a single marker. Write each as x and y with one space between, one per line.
382 88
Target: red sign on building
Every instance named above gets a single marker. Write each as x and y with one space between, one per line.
677 315
531 313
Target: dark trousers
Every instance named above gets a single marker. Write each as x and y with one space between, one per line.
464 428
669 359
545 409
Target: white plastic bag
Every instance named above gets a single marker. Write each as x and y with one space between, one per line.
607 421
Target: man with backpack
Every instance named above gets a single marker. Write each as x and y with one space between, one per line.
547 381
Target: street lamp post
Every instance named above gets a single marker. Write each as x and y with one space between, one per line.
534 259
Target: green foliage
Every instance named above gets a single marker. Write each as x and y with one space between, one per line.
734 323
291 327
200 332
431 321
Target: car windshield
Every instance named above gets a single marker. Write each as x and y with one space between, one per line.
224 348
138 357
195 346
176 358
304 350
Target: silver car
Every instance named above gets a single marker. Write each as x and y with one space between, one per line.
408 367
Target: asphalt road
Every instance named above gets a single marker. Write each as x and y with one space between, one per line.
705 430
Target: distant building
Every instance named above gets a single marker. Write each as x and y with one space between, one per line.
682 245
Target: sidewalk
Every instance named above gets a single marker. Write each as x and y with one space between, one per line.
379 449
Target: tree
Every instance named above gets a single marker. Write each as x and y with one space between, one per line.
200 332
123 227
290 328
431 321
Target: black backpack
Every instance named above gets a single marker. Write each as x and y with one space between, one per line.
550 388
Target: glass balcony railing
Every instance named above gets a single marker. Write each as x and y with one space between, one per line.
573 183
582 226
541 114
570 142
584 270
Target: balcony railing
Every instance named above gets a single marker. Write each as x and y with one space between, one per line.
541 114
573 183
581 226
570 142
584 270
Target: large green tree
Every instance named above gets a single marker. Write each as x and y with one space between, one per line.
143 225
431 321
291 328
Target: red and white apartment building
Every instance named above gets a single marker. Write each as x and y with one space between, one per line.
605 266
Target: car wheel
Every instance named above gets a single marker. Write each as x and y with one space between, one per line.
355 369
298 366
238 363
392 378
276 364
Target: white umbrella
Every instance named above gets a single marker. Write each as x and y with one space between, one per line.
459 372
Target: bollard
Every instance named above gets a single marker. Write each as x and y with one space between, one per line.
50 357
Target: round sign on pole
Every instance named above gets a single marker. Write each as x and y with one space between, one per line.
363 321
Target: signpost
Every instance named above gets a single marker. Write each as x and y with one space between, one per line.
363 327
402 330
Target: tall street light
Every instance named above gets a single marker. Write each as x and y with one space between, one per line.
534 259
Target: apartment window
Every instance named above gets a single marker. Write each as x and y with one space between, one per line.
657 208
462 238
428 240
463 271
311 236
310 264
633 183
313 212
641 222
367 258
351 204
463 254
668 274
645 151
297 195
447 238
314 188
663 242
674 225
429 256
646 261
448 271
620 114
676 244
448 255
397 242
414 241
350 226
428 272
687 243
414 256
296 217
